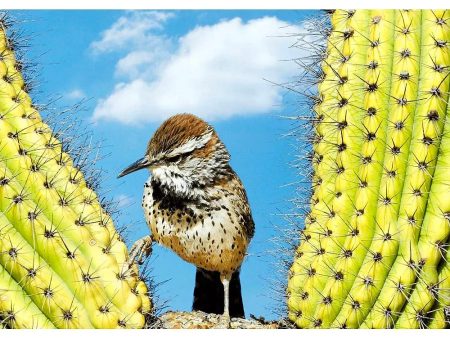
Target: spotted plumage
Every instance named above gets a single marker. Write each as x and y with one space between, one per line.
213 235
194 202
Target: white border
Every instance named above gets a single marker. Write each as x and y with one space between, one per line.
224 333
220 4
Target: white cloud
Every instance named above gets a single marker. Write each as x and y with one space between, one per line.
123 201
131 64
141 63
130 30
76 94
215 72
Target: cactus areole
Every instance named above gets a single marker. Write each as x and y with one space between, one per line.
374 251
62 263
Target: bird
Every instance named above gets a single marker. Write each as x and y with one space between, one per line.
195 204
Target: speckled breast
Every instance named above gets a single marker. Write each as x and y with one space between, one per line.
211 237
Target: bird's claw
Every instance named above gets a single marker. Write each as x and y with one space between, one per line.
224 322
140 250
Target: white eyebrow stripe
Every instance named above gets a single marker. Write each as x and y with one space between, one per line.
192 144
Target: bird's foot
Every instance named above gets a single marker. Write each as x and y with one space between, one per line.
224 322
140 250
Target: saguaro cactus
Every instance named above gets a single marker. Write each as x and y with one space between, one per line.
374 251
62 263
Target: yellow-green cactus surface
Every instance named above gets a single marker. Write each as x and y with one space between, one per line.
62 263
374 251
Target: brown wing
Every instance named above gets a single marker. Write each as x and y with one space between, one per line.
238 197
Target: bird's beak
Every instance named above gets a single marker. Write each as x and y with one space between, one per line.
142 163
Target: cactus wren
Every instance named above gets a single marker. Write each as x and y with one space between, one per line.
195 204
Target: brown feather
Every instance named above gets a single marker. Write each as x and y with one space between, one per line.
176 131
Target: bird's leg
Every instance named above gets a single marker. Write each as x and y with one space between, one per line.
142 247
225 279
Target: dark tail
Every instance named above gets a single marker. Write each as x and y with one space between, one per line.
208 293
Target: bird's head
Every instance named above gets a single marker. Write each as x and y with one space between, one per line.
184 155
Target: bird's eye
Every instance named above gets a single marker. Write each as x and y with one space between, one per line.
174 159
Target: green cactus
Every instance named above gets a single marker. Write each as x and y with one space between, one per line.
374 249
62 262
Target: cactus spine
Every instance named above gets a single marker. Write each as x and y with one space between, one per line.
374 249
62 263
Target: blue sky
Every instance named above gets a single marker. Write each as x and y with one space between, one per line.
137 68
